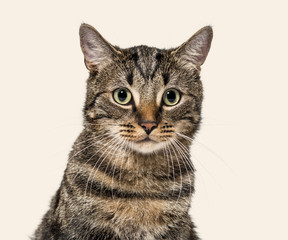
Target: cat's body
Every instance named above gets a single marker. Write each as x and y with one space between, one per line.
129 175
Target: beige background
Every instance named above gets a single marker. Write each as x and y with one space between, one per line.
241 151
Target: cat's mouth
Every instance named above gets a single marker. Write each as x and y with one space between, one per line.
147 145
147 139
144 140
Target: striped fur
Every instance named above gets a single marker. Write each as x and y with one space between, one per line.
122 182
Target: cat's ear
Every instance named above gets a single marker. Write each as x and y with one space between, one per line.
193 52
97 51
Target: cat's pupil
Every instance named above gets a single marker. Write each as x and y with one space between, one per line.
171 96
122 95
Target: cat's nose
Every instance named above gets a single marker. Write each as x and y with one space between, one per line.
148 126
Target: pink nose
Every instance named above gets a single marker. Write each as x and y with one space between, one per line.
148 126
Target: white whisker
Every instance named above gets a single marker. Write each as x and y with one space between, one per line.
116 147
186 160
94 144
123 142
180 171
172 163
186 152
194 157
126 145
106 144
215 154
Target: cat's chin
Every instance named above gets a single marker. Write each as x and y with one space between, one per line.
147 146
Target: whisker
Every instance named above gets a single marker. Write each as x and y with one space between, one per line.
215 154
186 159
113 139
111 145
180 171
122 164
105 138
93 144
137 164
116 146
172 163
208 149
184 136
165 157
116 162
93 138
186 151
209 173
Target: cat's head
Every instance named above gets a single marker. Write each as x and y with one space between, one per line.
144 97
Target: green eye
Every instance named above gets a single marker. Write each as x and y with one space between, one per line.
122 96
171 97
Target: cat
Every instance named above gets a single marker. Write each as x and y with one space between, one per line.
129 175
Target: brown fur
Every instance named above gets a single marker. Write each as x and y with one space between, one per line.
124 181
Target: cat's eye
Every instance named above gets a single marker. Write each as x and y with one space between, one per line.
171 97
122 96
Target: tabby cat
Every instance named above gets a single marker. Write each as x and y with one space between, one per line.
129 175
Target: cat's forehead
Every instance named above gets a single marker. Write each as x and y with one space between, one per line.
146 60
146 67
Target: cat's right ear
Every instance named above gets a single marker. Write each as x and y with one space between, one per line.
97 51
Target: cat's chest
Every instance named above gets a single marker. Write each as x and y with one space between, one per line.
137 212
141 218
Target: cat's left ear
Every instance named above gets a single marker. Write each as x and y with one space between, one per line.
97 51
193 52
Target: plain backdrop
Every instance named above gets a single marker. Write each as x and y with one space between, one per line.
241 150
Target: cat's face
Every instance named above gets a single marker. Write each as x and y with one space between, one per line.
143 97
